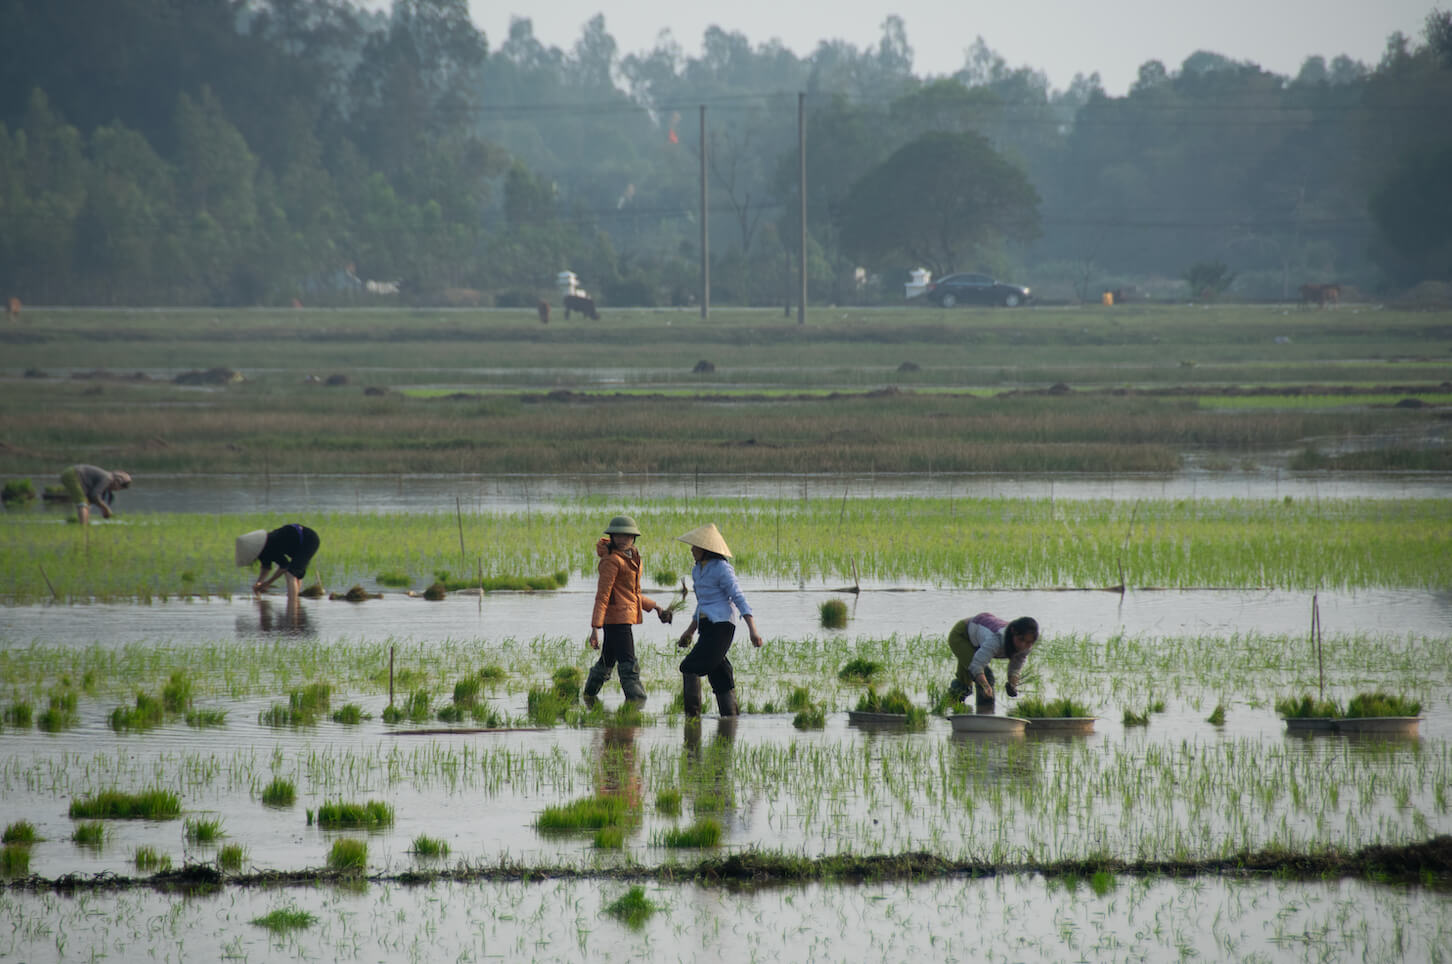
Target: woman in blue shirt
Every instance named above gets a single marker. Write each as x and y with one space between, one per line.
717 595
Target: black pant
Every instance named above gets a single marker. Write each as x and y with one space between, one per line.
708 657
617 646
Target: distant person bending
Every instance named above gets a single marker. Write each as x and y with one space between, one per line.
88 485
984 637
290 548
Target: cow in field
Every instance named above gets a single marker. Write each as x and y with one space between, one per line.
544 312
585 306
1322 295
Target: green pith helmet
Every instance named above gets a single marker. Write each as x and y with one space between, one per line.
622 525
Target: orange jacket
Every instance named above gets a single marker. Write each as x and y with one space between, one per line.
618 598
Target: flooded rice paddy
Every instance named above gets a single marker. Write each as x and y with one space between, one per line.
1179 788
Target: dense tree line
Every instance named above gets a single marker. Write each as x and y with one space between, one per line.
257 151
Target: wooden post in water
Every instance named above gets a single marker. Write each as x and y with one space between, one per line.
390 676
1316 645
459 515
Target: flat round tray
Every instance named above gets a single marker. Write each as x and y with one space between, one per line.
974 723
1065 725
863 718
1368 725
1310 724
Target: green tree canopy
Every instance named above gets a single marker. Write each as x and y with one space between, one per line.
943 201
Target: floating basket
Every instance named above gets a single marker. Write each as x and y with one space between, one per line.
1061 725
974 723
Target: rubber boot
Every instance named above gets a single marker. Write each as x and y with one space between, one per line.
630 681
726 703
691 695
593 682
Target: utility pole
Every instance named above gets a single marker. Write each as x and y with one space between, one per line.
802 190
705 228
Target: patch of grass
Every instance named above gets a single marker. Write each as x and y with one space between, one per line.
350 714
1031 707
588 813
466 691
545 706
1381 704
665 577
492 674
60 714
148 859
281 920
705 832
279 793
20 832
894 701
14 860
426 846
146 714
800 699
610 838
176 694
859 670
1101 882
451 713
198 830
1131 718
1217 718
506 583
231 857
371 815
91 833
1306 707
394 579
415 708
633 907
485 715
115 805
348 855
833 614
668 802
206 717
20 715
566 680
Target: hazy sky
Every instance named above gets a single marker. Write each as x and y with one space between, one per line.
1059 37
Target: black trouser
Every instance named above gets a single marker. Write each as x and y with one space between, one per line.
708 657
618 646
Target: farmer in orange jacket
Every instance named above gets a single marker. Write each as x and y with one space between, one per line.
619 605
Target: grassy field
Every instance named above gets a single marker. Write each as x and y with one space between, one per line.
916 390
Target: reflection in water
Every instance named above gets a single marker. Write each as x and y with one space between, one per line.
618 771
277 621
706 770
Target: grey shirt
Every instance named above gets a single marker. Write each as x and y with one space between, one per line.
95 483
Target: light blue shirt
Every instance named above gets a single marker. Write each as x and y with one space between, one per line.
717 591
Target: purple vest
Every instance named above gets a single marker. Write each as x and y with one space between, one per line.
990 622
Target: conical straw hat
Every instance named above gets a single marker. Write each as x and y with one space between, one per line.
249 546
707 537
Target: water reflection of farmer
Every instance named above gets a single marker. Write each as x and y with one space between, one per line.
984 637
292 622
290 548
717 592
89 485
618 774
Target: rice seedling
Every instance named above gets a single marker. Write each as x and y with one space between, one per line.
1131 718
231 857
893 701
610 838
492 674
20 832
176 695
60 713
566 680
348 855
17 492
415 709
304 706
466 691
394 579
199 830
279 793
206 717
1101 882
1217 716
14 860
632 907
426 846
90 833
665 577
859 669
281 920
1032 707
668 802
812 718
350 714
588 813
371 815
19 715
116 805
704 832
833 614
486 716
435 591
146 714
1306 707
452 713
506 582
147 859
1381 704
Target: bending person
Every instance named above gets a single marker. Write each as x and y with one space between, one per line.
290 548
978 639
717 596
89 485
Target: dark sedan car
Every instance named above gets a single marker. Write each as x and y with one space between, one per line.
975 289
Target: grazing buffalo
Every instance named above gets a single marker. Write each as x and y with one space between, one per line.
585 306
1320 294
544 312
